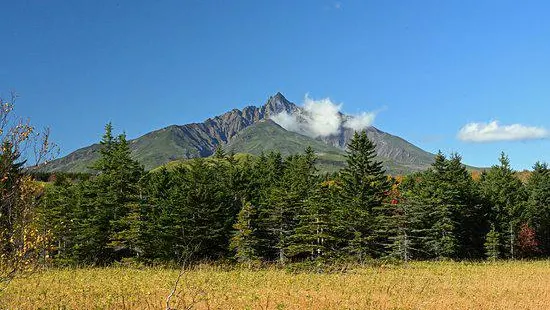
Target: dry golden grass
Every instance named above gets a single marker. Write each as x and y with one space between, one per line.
446 285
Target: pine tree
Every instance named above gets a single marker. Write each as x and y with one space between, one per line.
504 194
56 214
450 210
12 208
538 203
268 196
244 241
219 153
314 237
401 222
444 242
108 206
492 244
158 217
364 188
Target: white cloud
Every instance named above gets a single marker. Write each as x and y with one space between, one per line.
287 121
360 121
338 5
493 131
321 118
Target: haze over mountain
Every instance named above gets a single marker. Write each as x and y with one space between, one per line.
255 130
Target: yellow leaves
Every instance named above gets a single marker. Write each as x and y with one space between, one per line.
24 239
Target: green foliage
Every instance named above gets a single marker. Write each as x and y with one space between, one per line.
314 235
449 215
280 209
95 221
180 143
244 242
538 205
505 194
364 188
492 244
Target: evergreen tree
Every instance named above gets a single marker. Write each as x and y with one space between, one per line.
200 211
364 188
285 203
504 194
56 214
244 241
538 212
402 222
268 192
11 207
124 182
492 244
219 153
158 217
313 234
469 211
453 223
107 214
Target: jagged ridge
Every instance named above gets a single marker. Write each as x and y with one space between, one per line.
201 139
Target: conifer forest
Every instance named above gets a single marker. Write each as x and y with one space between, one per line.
282 210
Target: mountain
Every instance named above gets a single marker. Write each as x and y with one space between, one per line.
250 130
267 135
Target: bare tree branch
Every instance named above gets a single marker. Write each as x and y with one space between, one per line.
185 261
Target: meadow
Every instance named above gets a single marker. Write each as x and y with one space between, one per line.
419 285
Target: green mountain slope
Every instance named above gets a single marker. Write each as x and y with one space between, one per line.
151 150
251 131
267 135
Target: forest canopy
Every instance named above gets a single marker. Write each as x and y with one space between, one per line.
283 210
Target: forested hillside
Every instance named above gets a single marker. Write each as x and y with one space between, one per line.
280 208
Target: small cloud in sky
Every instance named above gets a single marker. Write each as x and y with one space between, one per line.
330 6
493 131
321 118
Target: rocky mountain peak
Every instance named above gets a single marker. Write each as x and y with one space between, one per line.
201 139
277 104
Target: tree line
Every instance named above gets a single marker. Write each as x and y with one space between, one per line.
281 209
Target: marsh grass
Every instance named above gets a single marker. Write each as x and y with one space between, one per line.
422 285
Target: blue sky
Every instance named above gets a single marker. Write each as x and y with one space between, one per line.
428 67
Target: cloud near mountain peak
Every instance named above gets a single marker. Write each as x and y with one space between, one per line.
321 118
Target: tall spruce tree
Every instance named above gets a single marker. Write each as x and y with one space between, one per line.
158 217
452 224
492 244
244 241
364 188
56 214
311 236
505 194
108 205
538 211
402 221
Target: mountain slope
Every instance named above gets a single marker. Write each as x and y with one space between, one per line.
248 130
180 142
266 135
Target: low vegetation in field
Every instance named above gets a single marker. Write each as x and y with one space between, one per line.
442 285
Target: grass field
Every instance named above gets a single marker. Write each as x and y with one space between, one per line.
446 285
